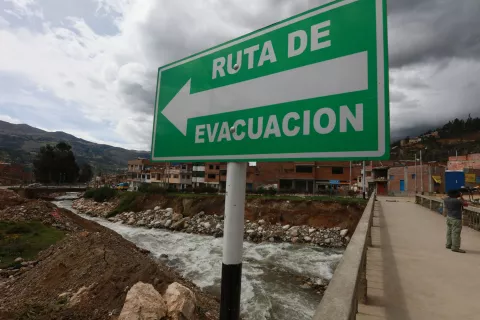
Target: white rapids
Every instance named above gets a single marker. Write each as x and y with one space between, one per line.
271 288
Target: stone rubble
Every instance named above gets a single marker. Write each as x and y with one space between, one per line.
202 223
92 208
20 267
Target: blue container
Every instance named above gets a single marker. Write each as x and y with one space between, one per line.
454 180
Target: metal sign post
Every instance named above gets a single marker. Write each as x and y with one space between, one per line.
364 183
314 86
233 241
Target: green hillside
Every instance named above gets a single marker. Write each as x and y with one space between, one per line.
20 142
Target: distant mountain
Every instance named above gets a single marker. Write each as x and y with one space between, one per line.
20 142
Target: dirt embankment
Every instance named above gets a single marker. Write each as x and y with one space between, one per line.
317 214
93 264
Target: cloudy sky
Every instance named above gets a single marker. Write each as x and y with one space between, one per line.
88 67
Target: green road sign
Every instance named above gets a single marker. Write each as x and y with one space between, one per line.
314 86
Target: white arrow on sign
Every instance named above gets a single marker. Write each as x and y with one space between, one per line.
326 78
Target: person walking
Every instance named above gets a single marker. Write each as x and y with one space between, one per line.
454 205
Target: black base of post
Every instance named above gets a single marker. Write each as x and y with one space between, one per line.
230 295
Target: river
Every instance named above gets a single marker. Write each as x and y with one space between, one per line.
270 287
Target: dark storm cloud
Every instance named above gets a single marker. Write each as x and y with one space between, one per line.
138 97
425 31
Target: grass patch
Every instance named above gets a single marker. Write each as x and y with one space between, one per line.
192 195
24 239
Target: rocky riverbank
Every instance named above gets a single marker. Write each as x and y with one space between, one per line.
212 224
91 273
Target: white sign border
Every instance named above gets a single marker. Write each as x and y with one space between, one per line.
381 68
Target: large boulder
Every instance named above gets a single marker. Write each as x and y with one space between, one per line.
177 217
180 302
179 224
143 302
293 231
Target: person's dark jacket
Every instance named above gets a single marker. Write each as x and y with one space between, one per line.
454 207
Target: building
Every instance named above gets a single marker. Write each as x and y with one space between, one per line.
198 174
13 174
470 165
110 179
407 179
471 161
309 177
138 172
379 180
172 175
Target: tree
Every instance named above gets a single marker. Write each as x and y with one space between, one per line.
55 164
86 173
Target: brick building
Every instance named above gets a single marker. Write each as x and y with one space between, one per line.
12 174
401 179
470 164
307 177
138 172
471 161
216 175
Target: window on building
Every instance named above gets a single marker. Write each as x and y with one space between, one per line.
148 177
199 174
175 176
188 176
212 176
304 169
223 172
217 167
337 170
184 167
210 166
392 177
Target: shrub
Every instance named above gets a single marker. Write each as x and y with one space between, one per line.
89 193
261 190
352 193
287 191
271 191
266 191
206 189
151 188
101 194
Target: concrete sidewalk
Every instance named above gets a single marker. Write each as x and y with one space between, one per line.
410 273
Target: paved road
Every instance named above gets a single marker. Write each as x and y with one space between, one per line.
410 273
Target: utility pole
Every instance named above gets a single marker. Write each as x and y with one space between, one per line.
350 175
421 172
415 173
364 183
